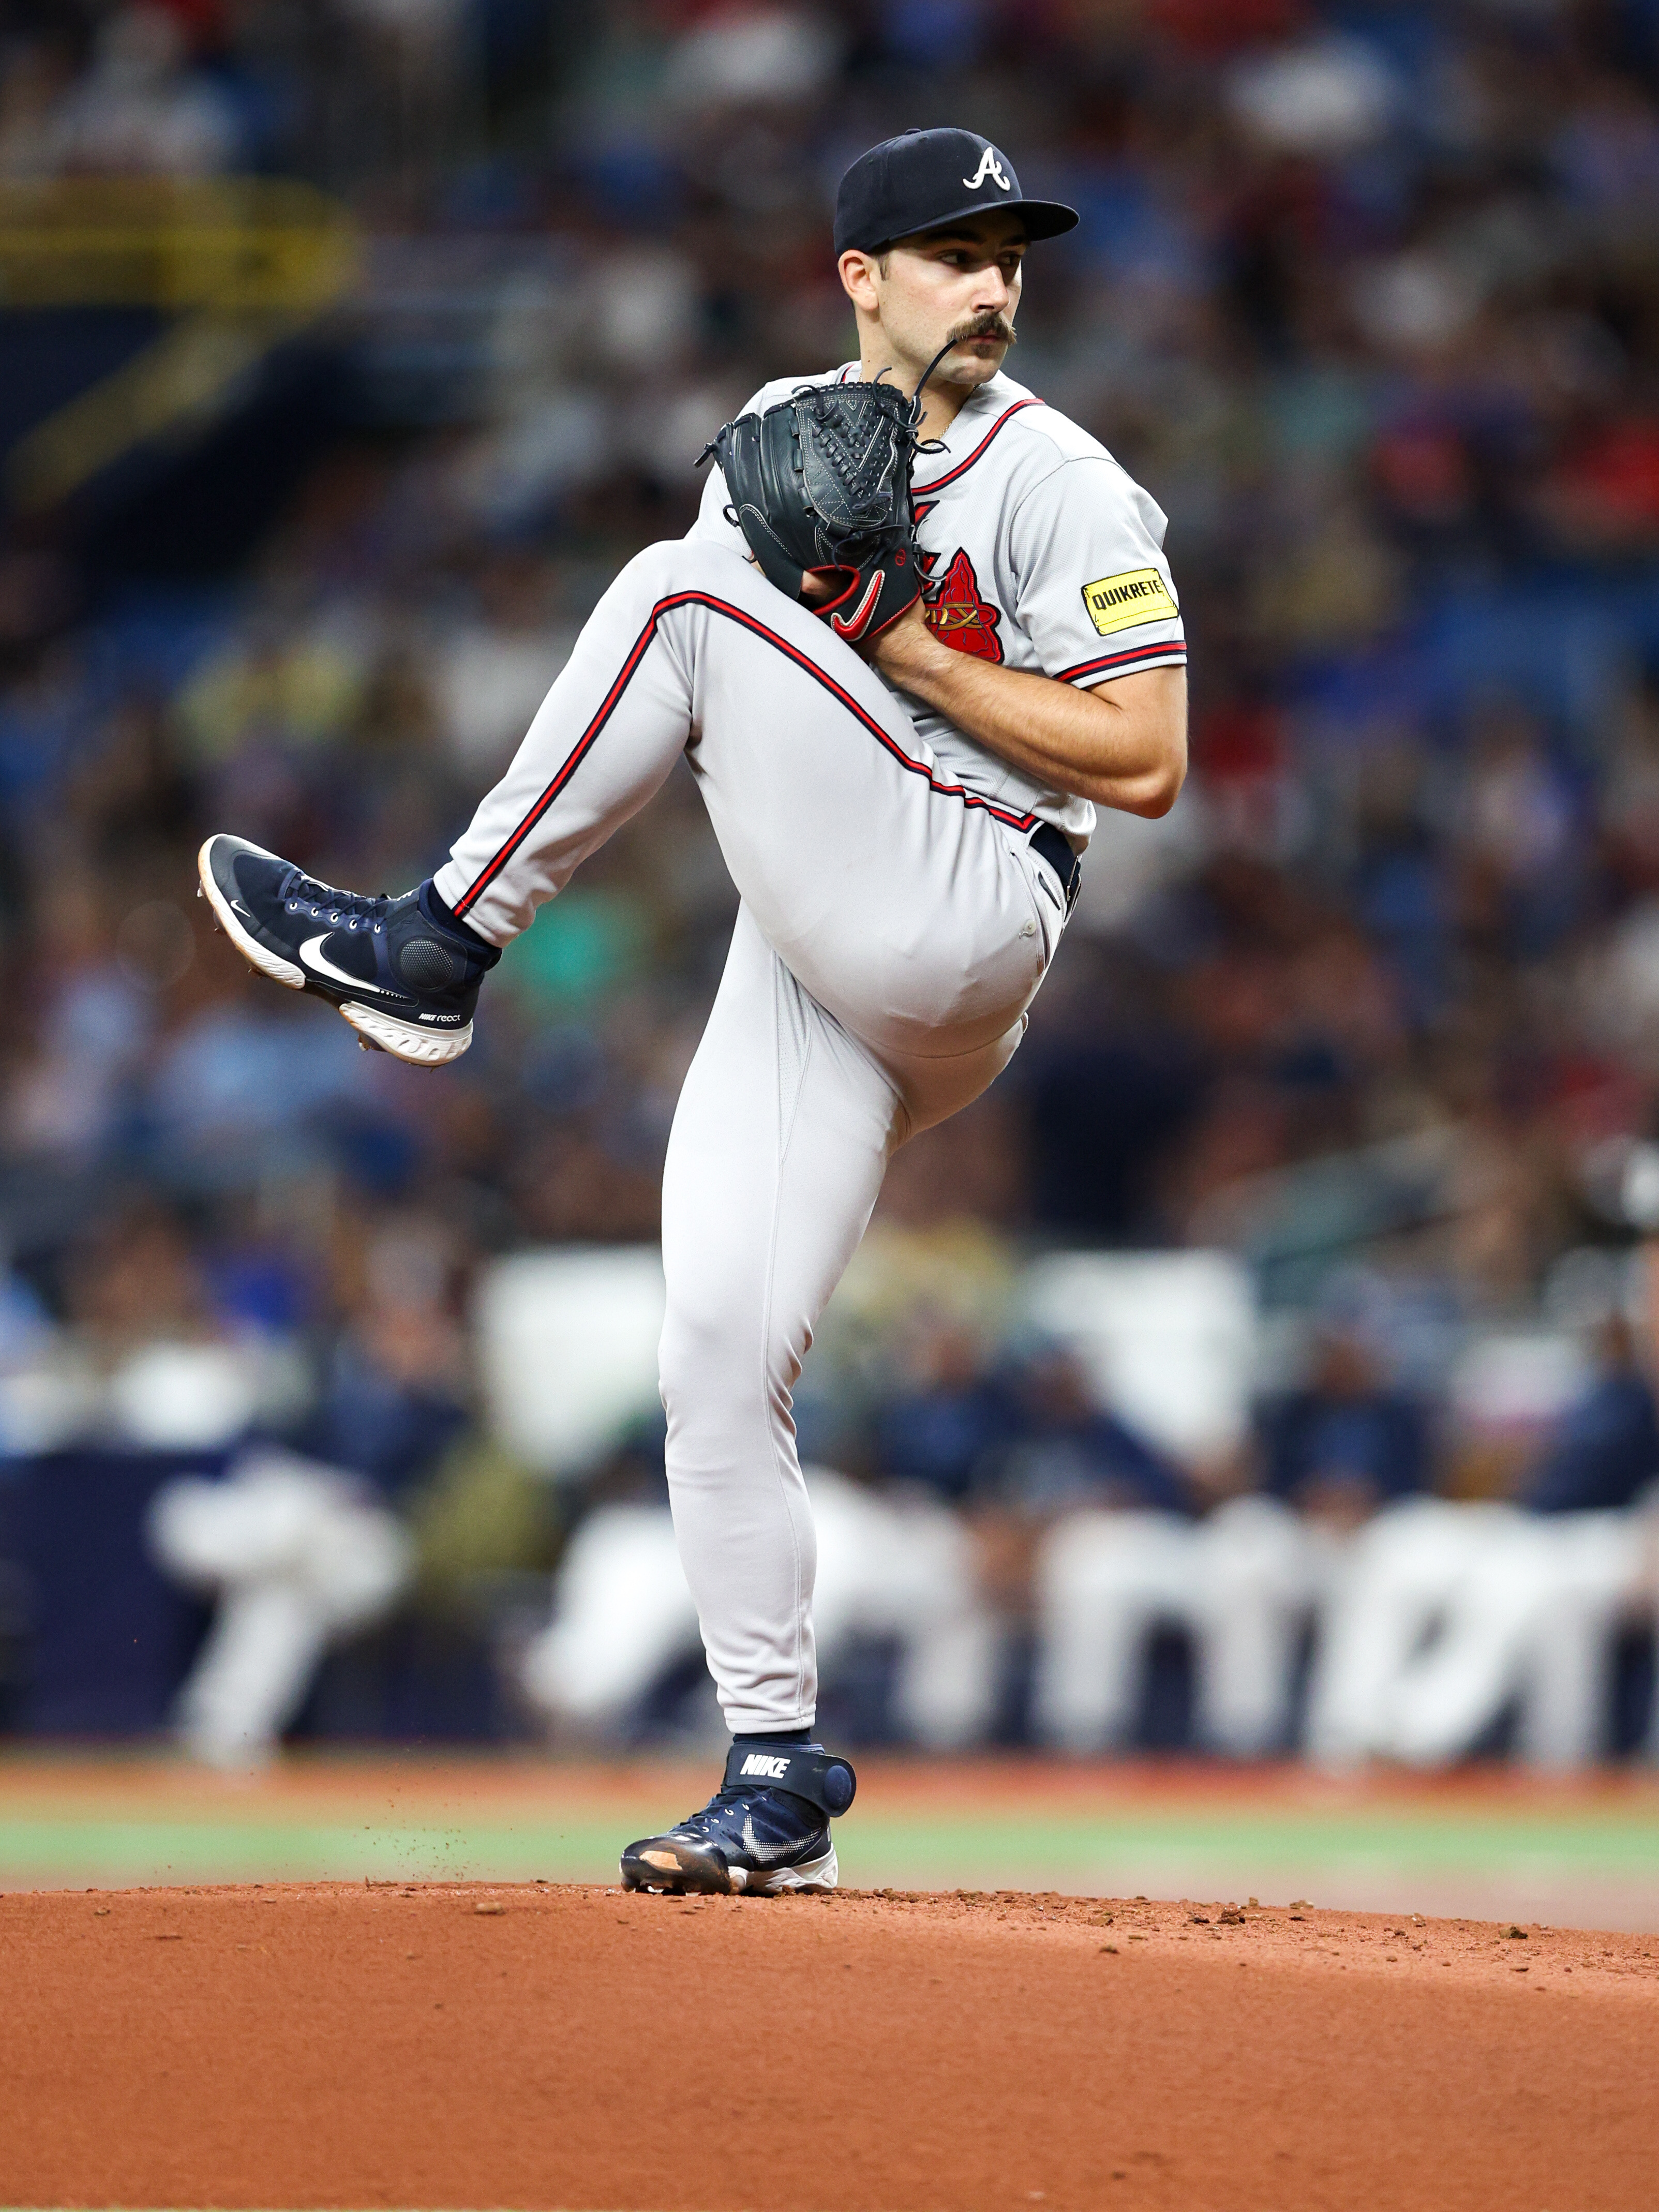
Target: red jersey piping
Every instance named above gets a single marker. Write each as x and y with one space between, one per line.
921 492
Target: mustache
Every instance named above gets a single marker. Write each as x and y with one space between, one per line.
991 325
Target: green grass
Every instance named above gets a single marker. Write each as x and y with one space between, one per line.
921 1849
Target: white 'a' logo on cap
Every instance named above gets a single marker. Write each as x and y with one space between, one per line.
989 166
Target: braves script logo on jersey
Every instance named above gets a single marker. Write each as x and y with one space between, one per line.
989 166
1138 595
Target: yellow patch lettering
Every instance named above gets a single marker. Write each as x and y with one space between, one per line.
1138 595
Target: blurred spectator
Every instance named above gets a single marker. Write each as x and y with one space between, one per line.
1605 1452
1069 1451
143 1360
1345 1443
1242 1581
35 75
1099 1525
949 1421
139 109
395 1379
496 668
1448 1613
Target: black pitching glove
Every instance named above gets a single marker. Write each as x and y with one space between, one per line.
821 482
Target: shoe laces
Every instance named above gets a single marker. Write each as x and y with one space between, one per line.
717 1804
342 906
733 1797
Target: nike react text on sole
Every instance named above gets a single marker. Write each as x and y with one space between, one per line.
406 981
765 1831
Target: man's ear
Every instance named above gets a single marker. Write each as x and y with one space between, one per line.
857 271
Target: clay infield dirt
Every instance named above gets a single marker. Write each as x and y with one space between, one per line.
433 2046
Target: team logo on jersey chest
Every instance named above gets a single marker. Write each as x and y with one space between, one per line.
1138 595
954 608
958 615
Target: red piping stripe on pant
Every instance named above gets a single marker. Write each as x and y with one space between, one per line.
607 707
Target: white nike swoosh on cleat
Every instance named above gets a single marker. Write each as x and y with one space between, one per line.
762 1854
321 964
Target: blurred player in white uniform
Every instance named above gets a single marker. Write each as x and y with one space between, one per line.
899 1568
903 830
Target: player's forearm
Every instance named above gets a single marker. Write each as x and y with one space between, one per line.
1123 745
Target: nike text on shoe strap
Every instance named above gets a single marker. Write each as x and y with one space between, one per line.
820 1776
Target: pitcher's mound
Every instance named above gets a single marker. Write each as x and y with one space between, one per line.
420 2046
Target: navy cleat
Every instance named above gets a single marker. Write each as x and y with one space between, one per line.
765 1830
398 971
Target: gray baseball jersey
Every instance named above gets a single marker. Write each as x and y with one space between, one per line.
1042 553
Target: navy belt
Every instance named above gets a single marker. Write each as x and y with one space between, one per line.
1054 845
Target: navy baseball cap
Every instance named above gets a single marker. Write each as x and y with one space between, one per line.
923 179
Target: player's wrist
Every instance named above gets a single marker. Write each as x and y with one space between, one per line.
907 651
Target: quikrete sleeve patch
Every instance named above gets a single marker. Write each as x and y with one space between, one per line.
1138 595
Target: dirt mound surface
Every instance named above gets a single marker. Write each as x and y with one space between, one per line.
464 2045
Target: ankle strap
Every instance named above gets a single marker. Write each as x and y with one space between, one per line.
803 1770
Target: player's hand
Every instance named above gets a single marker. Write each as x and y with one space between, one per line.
814 589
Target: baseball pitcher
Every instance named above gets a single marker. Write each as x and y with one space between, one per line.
922 628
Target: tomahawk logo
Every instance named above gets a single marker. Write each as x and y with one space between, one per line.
957 613
761 1762
954 609
989 166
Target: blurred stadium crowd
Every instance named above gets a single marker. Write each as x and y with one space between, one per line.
1367 297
